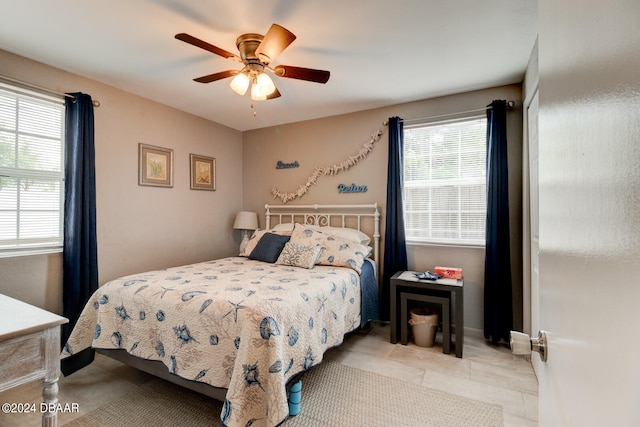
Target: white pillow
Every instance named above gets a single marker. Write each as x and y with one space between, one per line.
285 226
344 233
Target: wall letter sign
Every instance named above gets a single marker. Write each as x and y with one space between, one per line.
283 165
352 188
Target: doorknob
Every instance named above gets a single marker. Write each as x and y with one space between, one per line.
522 344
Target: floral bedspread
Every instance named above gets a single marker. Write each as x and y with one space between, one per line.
243 325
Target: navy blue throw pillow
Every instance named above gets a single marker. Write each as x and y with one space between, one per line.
269 247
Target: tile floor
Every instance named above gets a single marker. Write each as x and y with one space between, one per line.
486 372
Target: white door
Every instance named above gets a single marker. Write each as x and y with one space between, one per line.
589 212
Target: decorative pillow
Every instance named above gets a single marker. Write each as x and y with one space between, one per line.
269 247
337 251
299 256
255 238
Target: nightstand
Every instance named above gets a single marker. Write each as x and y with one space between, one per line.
446 292
30 351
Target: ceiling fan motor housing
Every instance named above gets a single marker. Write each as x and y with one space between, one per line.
247 45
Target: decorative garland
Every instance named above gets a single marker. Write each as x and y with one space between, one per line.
329 170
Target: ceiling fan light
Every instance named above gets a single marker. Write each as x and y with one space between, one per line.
240 83
262 87
266 84
256 94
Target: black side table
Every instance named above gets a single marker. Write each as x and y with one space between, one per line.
450 289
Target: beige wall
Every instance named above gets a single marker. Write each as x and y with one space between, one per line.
142 228
324 142
139 228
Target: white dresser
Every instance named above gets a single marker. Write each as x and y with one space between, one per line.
30 351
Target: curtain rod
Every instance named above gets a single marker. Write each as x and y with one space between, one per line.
510 104
41 89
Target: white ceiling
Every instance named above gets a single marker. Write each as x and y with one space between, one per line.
379 52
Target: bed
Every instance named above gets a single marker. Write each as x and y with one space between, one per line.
244 329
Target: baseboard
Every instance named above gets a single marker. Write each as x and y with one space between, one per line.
473 333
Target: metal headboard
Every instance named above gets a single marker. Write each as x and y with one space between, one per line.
365 218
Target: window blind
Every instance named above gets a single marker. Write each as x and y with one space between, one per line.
445 182
31 171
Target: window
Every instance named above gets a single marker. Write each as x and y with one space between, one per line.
445 182
31 172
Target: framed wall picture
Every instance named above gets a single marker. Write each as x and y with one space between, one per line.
203 172
155 166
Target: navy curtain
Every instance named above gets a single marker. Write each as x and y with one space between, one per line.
80 252
395 247
498 309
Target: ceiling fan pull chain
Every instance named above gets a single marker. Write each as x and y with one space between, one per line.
255 113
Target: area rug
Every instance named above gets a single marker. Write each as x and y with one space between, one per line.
332 395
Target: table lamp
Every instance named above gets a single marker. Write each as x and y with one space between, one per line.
245 221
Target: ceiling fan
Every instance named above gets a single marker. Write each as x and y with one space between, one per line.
256 53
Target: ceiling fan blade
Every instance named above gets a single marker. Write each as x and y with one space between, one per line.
274 42
318 76
274 94
216 76
207 46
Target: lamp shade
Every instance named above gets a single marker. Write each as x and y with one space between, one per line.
262 87
246 221
240 83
